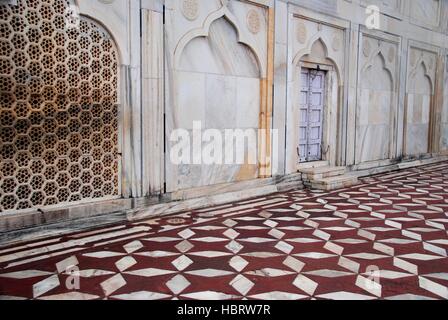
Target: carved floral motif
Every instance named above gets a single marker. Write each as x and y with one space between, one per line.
190 9
253 21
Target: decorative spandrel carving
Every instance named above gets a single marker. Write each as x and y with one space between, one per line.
190 9
253 21
302 33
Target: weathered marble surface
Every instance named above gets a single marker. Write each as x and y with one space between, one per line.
420 101
218 62
377 102
162 76
444 122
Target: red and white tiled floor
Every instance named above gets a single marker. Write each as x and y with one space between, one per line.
385 238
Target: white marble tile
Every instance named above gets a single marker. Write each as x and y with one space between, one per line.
125 263
142 295
210 273
150 272
45 286
111 285
178 284
238 263
182 263
305 284
241 284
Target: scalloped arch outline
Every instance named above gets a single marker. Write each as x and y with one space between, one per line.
104 26
307 50
204 32
413 73
370 62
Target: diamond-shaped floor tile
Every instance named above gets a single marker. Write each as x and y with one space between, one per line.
178 284
186 234
284 247
133 246
238 263
125 263
182 263
231 234
113 284
230 223
276 233
234 246
184 246
241 284
305 284
294 264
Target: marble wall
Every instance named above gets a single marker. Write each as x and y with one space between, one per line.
218 51
444 122
420 95
312 43
377 99
235 64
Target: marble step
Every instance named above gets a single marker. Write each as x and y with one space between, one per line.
290 186
311 174
310 165
333 183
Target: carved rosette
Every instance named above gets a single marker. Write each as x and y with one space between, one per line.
190 9
336 43
253 21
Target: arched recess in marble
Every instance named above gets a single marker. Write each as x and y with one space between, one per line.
217 82
317 51
242 37
378 66
421 81
220 52
374 120
418 111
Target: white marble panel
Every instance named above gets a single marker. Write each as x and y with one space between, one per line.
426 11
191 99
221 107
373 143
247 102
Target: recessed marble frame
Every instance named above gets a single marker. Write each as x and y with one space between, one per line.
331 35
181 37
443 142
420 110
377 106
425 13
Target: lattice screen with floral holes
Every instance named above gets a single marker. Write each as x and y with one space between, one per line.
58 108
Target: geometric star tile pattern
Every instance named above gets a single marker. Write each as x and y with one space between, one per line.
385 238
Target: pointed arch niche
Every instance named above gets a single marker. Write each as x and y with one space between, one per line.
420 93
324 52
374 125
218 78
377 100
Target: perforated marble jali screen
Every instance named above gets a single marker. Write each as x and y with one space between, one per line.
58 108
